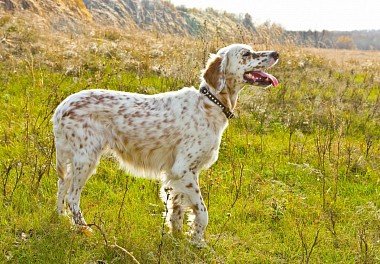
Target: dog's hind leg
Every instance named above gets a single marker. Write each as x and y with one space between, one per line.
65 176
83 168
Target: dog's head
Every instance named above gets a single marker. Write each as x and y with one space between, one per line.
238 65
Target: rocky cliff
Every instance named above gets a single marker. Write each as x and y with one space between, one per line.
152 15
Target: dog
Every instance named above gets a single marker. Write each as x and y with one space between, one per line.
170 136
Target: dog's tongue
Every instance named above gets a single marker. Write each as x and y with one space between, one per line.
269 76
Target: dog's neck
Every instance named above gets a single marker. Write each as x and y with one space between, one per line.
227 96
204 90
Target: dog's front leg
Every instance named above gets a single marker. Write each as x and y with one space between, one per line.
185 193
198 217
174 213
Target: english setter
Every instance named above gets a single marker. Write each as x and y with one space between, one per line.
169 136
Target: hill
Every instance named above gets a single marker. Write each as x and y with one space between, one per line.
163 17
154 15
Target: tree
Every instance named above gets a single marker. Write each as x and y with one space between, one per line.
247 22
345 42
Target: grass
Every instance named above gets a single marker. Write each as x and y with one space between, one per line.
297 180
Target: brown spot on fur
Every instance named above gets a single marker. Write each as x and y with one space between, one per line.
190 185
122 109
207 106
60 170
195 207
136 114
176 207
68 113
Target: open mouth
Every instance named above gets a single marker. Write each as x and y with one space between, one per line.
260 78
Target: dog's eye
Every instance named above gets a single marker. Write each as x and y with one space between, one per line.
248 53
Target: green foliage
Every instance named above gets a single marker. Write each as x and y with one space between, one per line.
297 178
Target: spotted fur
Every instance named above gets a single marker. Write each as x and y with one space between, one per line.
170 137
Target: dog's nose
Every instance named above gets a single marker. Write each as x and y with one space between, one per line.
275 55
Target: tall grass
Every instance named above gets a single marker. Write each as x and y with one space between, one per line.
297 179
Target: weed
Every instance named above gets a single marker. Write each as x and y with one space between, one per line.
298 173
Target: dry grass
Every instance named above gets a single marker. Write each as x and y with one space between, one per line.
298 173
356 58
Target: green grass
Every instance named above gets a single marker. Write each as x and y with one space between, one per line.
297 179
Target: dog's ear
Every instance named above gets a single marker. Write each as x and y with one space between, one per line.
214 74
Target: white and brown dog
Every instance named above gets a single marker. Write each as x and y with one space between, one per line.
169 136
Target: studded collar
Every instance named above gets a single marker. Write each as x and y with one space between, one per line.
204 90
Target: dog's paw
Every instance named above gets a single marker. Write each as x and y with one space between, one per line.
85 230
199 243
196 241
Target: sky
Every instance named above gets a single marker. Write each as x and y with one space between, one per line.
342 15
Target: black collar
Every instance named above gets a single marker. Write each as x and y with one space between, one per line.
204 90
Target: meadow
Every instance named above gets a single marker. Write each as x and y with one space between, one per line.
298 175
